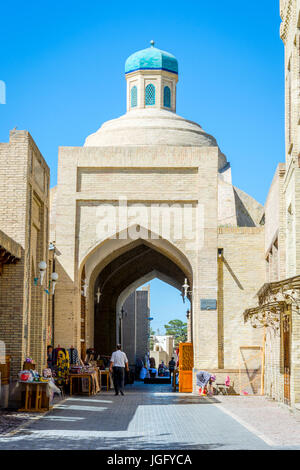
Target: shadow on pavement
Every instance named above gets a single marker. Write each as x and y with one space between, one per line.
107 412
105 443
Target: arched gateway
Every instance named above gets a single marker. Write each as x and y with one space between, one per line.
150 195
115 276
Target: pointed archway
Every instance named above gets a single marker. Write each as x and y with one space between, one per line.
125 271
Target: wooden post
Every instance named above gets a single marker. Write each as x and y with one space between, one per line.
240 372
220 307
263 364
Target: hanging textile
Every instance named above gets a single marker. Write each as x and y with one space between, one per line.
74 356
62 366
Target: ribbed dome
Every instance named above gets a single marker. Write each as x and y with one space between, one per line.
152 127
151 59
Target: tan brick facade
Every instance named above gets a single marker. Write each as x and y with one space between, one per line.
76 236
282 222
153 157
150 158
24 216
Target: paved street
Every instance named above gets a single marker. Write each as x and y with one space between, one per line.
153 417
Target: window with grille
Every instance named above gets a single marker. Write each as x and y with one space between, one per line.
150 95
167 97
133 96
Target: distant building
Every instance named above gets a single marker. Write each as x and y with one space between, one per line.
163 349
135 324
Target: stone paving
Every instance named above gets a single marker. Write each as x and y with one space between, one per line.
275 422
9 420
149 417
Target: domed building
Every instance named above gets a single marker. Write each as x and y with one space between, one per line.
151 76
151 119
149 194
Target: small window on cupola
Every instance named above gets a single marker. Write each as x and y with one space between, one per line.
167 97
134 96
150 95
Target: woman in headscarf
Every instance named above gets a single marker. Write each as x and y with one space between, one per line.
204 378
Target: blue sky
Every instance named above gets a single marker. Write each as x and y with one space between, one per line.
63 65
165 304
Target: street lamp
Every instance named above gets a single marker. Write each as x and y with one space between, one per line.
186 290
84 288
54 278
122 315
42 268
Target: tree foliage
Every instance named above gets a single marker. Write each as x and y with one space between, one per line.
178 329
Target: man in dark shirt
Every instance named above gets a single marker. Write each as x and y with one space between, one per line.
171 367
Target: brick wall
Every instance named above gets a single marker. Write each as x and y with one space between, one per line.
23 306
243 275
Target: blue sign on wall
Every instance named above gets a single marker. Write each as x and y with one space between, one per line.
208 304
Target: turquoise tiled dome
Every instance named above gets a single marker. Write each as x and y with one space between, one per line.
151 59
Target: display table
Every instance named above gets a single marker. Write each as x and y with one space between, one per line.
107 374
93 381
36 397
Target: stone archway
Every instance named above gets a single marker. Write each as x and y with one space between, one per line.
124 271
106 252
157 256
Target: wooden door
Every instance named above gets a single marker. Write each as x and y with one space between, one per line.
286 332
186 364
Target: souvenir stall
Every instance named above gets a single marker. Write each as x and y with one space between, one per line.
37 391
65 373
84 379
60 365
103 365
72 373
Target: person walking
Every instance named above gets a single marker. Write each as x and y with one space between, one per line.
172 364
118 364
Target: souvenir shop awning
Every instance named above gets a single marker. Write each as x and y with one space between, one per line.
288 287
266 315
10 251
273 298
